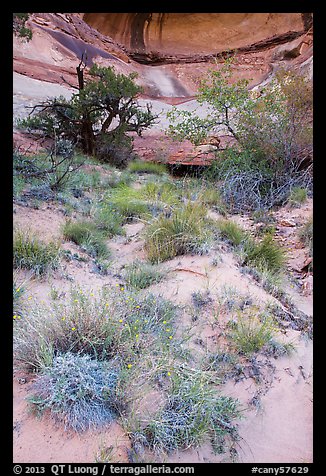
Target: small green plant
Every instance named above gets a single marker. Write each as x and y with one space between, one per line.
33 254
211 196
192 413
88 236
108 219
201 299
230 231
78 231
164 193
141 166
127 202
19 290
251 334
297 197
140 275
266 254
78 390
184 231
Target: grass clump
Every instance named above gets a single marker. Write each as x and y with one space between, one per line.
184 231
19 290
297 197
140 166
265 254
107 325
211 196
108 220
140 275
164 193
192 413
127 202
88 236
78 390
230 231
33 254
251 333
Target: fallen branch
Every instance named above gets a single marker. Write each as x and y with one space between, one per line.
189 271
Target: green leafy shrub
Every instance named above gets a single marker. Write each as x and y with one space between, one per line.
98 117
31 253
272 133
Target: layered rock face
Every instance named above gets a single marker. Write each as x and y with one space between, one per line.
169 51
159 37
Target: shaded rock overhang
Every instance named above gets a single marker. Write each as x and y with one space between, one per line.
158 38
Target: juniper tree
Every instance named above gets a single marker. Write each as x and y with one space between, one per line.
98 117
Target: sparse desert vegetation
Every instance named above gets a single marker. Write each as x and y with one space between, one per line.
139 296
123 342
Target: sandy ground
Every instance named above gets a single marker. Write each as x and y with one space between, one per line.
278 430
